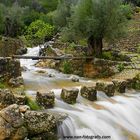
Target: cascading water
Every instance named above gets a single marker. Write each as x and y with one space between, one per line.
115 119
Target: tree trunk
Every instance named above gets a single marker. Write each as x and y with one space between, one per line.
95 46
91 49
98 47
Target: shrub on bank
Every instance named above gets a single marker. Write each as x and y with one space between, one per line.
38 32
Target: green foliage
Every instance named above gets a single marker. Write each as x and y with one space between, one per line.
107 55
38 31
100 19
66 67
22 13
127 10
2 85
136 82
25 41
63 12
120 67
32 104
1 18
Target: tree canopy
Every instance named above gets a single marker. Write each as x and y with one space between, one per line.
96 20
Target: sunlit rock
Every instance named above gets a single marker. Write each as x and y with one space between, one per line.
74 78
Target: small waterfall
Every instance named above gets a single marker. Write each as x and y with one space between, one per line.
117 117
67 128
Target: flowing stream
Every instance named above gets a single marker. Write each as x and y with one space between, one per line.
116 118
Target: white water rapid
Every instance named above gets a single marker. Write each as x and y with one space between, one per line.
116 118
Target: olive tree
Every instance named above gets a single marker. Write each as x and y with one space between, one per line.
96 20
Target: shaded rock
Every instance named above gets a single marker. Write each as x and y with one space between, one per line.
21 51
20 99
69 95
20 134
15 82
130 83
6 129
23 68
47 100
107 87
74 78
6 98
136 82
89 93
51 75
120 85
40 122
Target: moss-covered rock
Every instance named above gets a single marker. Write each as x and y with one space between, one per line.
89 93
107 87
6 98
69 95
46 100
120 85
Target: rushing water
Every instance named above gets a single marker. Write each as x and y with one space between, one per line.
115 118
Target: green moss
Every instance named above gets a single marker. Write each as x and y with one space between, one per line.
32 104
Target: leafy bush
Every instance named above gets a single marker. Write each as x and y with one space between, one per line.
136 82
107 55
120 67
39 31
67 68
127 10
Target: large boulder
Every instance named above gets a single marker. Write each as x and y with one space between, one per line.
12 124
19 123
69 95
120 85
107 87
40 123
89 93
6 98
46 100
